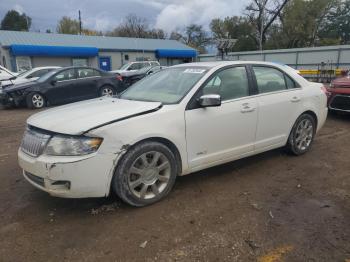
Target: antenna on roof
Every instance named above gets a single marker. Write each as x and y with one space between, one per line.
79 23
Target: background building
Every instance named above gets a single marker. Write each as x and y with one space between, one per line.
25 50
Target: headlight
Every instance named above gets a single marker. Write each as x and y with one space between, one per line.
72 146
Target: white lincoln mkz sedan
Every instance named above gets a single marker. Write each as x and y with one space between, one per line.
180 120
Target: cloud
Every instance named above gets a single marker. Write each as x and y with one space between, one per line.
178 14
18 8
107 14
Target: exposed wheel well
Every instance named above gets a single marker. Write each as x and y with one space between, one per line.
311 113
170 145
163 141
35 92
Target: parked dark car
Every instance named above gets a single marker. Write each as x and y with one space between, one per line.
133 77
62 86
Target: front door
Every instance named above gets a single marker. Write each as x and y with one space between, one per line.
105 63
219 134
60 88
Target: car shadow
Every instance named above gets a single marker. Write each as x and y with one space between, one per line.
112 203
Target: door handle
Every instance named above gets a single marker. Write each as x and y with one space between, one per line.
246 108
295 99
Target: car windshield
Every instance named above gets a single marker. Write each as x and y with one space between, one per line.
124 67
168 86
46 76
144 70
23 73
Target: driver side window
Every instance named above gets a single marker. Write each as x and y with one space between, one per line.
65 75
229 83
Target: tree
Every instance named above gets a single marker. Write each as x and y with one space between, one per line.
68 26
236 27
262 14
300 24
134 26
193 35
16 21
337 24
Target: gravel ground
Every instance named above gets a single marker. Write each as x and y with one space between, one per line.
270 207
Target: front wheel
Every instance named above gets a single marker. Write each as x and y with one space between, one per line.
107 91
302 135
35 101
145 174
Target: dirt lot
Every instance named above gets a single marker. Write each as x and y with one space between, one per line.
271 207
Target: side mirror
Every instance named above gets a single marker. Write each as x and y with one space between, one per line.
210 100
53 82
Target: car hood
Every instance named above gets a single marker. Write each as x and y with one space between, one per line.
342 82
20 86
78 118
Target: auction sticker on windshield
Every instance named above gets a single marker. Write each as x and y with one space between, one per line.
194 71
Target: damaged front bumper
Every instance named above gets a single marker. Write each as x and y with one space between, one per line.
13 99
69 177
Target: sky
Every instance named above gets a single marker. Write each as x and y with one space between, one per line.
103 15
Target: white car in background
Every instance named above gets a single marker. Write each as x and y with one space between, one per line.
6 74
180 120
132 67
30 75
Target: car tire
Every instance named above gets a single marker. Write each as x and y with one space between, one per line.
302 135
35 100
107 91
145 174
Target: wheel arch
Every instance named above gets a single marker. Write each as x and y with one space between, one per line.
36 91
161 140
313 114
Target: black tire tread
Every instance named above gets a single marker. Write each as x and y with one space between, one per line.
290 144
119 182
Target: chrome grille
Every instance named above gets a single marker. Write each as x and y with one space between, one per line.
341 102
34 143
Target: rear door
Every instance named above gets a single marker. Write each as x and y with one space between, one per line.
279 101
86 86
60 86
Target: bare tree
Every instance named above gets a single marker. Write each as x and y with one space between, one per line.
262 13
134 26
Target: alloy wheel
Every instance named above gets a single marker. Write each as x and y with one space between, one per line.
304 134
37 100
149 175
107 91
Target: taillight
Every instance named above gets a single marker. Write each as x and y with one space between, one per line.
119 77
324 89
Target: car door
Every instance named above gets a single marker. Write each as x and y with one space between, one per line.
223 133
279 99
60 86
86 86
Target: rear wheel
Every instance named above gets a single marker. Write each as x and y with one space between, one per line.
302 135
145 174
107 91
35 100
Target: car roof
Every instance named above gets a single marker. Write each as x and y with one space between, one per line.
213 64
45 67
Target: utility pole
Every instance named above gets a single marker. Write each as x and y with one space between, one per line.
79 23
262 24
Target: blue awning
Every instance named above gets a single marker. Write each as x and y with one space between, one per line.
176 53
40 50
